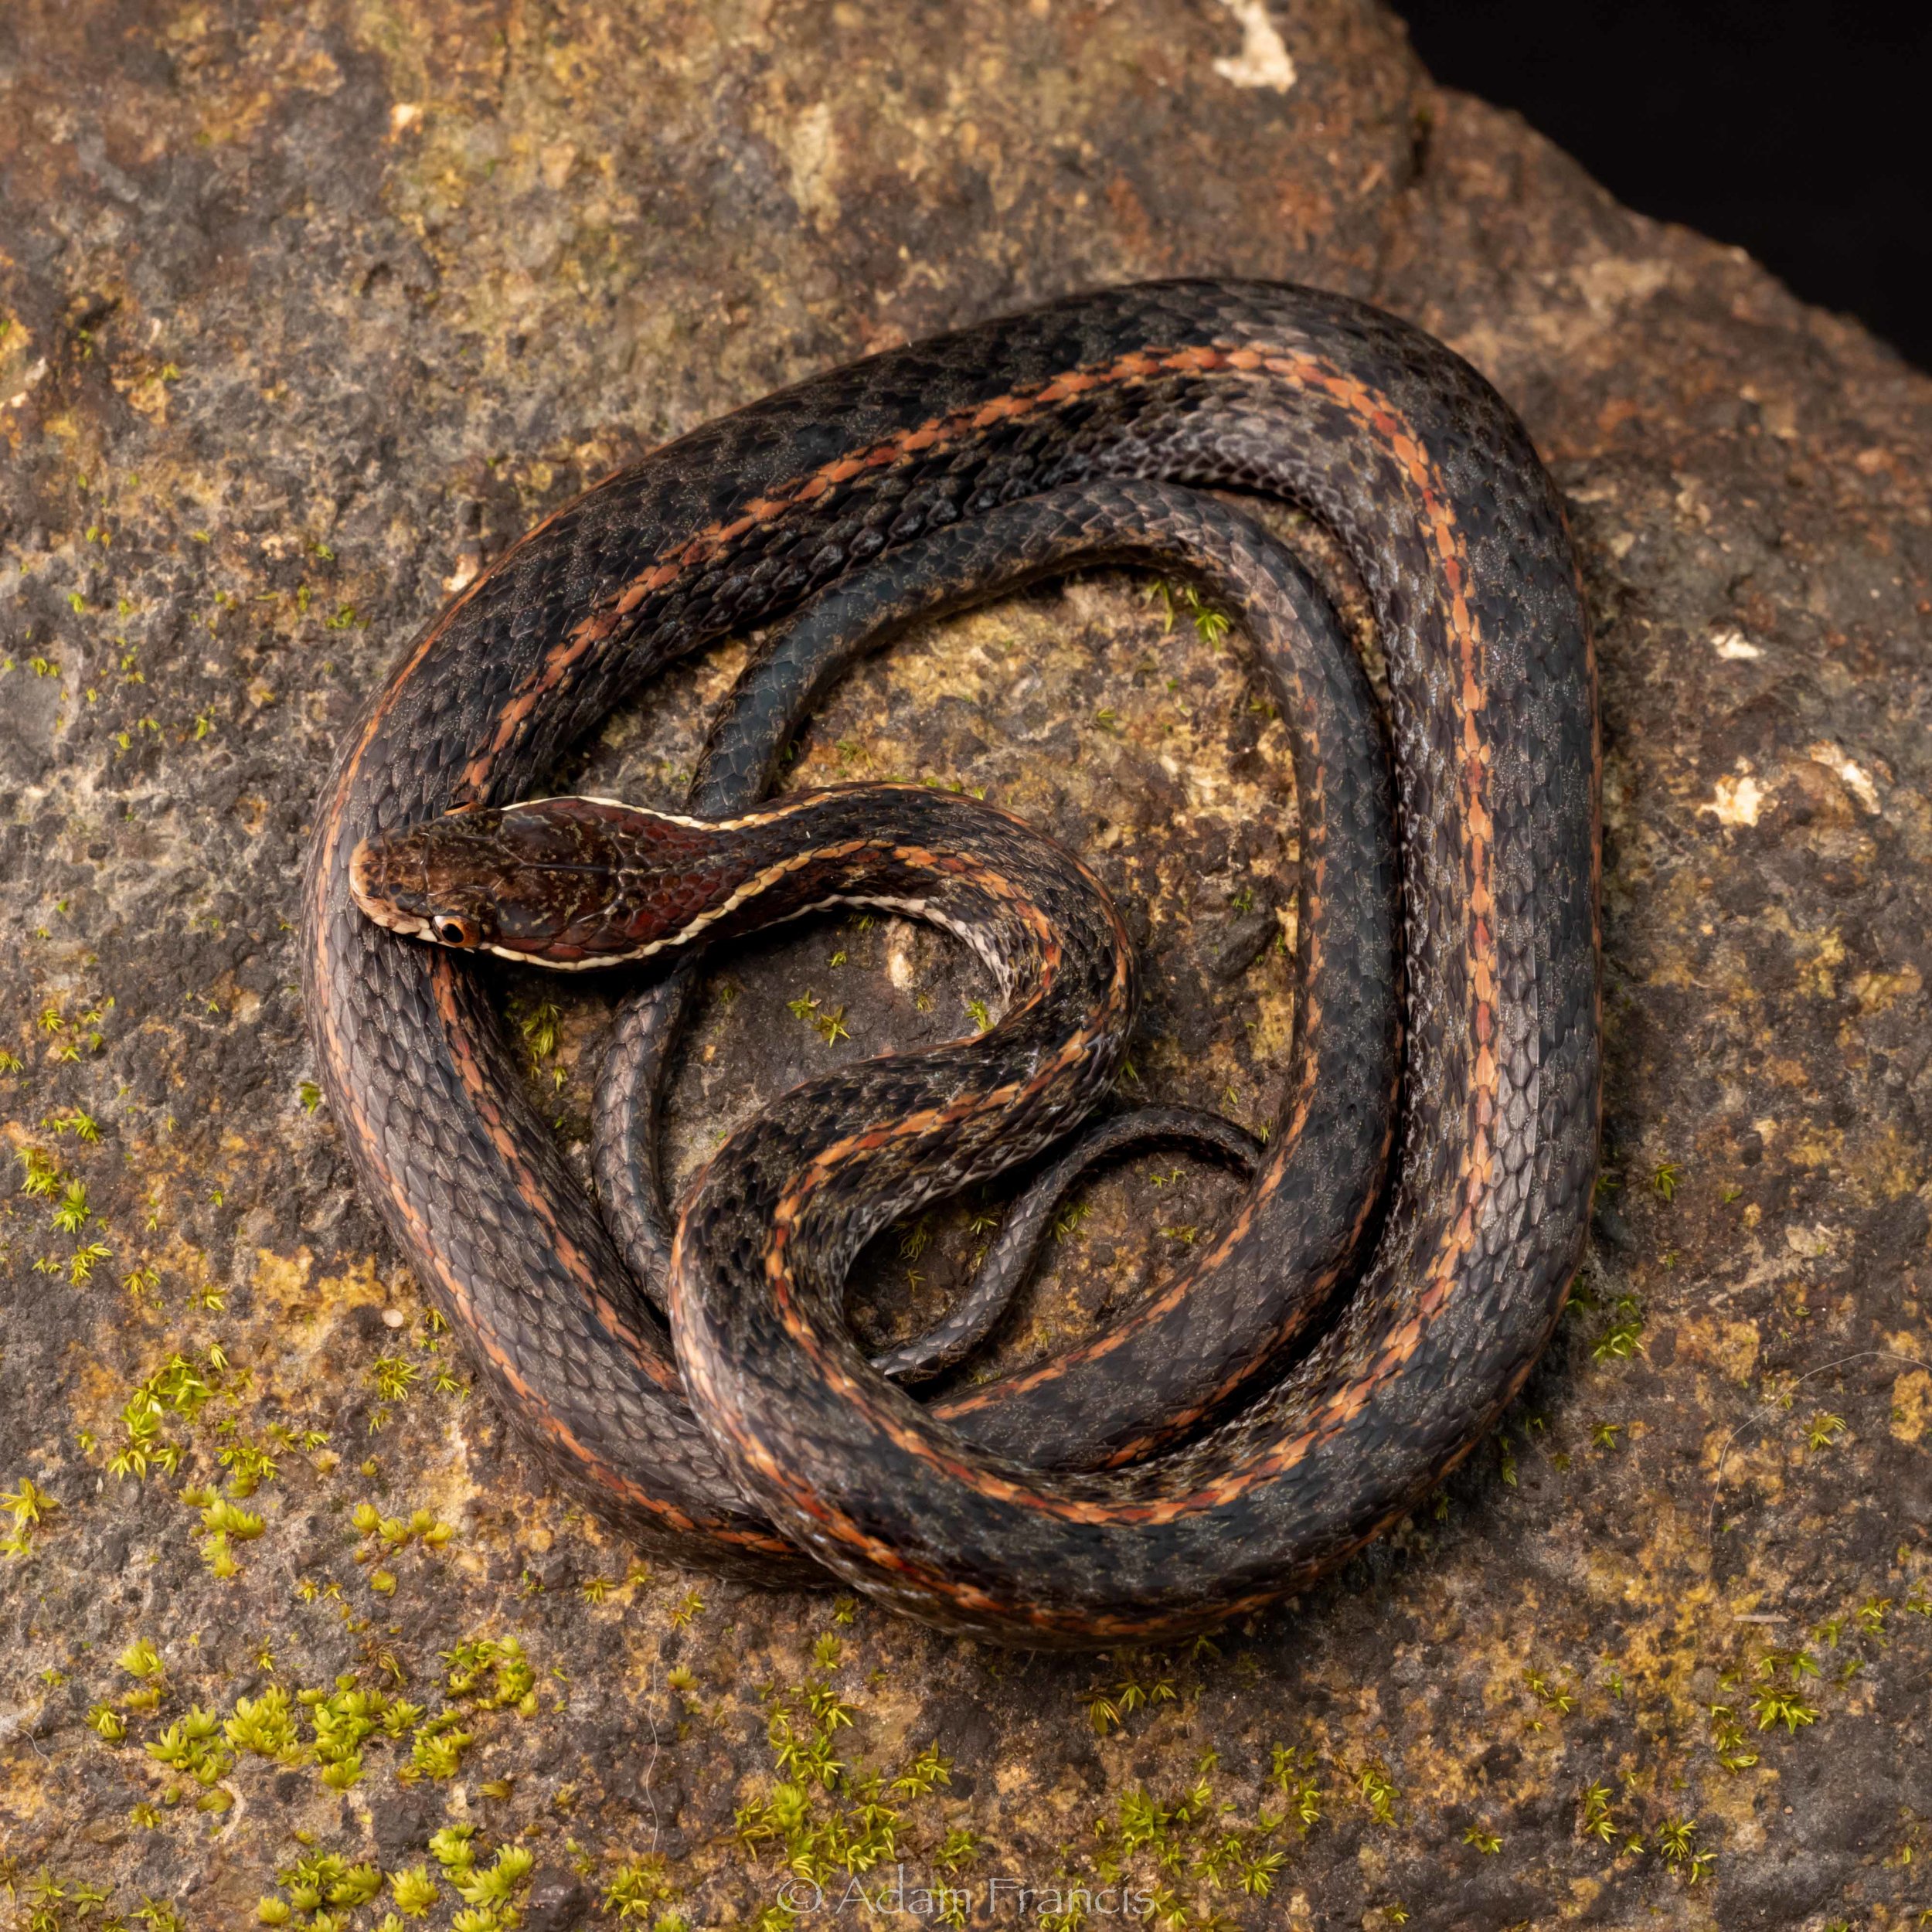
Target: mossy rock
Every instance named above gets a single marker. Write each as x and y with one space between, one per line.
307 312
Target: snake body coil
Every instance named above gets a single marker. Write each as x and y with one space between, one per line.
1433 490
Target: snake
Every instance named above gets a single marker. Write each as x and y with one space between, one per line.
760 1442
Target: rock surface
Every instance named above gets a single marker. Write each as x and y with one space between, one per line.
306 310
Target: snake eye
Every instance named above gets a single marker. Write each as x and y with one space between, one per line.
453 931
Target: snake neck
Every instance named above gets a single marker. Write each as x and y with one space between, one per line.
979 873
612 883
830 1163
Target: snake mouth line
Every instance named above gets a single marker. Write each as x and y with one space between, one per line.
390 920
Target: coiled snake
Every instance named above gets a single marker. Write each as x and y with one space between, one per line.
1243 1431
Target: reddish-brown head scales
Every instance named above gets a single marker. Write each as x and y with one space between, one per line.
563 882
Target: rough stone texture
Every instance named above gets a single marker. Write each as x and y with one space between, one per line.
307 309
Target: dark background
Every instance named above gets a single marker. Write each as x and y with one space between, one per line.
1799 133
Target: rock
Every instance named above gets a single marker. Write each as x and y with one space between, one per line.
1243 940
558 1902
308 312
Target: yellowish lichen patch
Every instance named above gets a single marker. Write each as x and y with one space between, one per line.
1911 1405
1728 1346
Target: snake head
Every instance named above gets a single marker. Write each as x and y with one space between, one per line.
558 881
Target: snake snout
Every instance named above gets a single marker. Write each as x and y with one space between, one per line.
374 883
416 884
